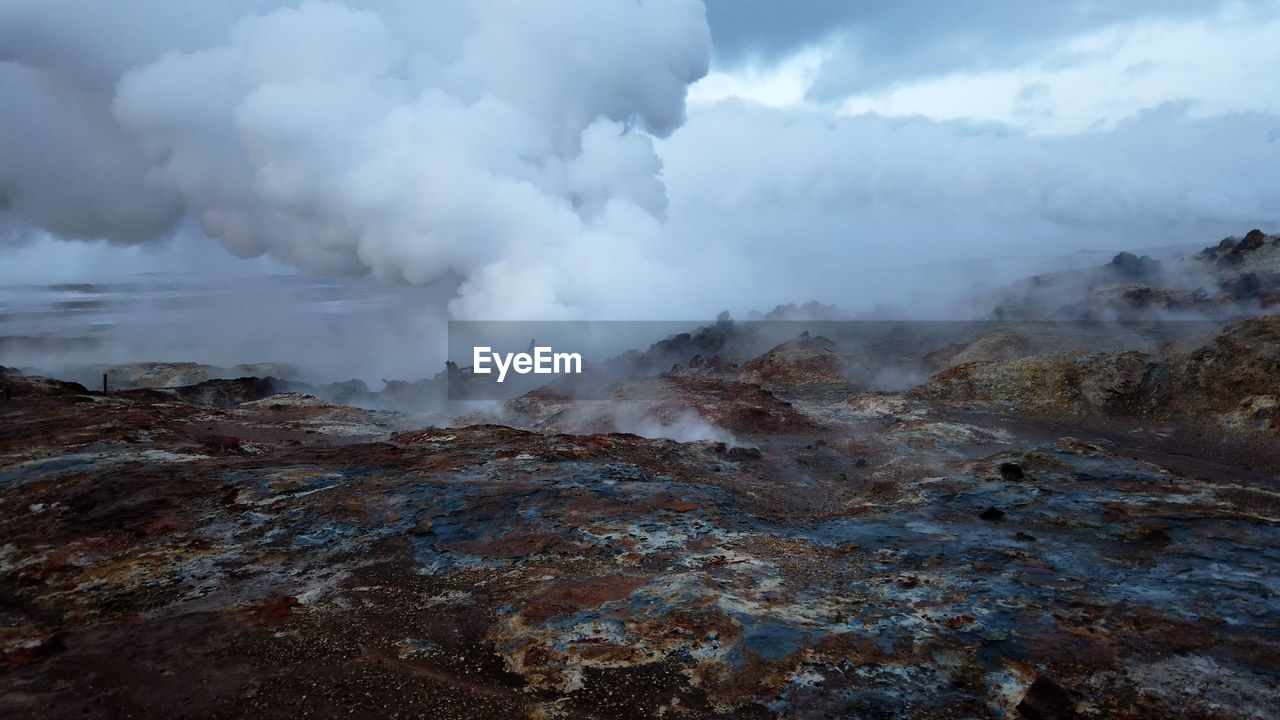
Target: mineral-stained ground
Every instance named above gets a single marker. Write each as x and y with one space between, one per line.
1058 534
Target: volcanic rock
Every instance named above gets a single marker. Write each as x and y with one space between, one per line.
799 362
1246 286
17 386
1255 412
704 367
285 557
419 393
237 558
998 345
663 407
744 453
1047 700
1240 363
1130 265
349 392
1070 383
717 339
225 393
1010 472
811 310
158 375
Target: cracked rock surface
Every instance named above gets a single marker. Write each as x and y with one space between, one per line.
1018 537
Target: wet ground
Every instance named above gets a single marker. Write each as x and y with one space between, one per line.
845 556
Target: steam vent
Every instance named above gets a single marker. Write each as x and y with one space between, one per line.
629 359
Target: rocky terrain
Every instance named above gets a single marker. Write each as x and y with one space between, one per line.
1002 519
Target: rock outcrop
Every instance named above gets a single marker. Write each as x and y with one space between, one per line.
1239 370
806 360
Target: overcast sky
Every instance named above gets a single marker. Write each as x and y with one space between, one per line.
615 158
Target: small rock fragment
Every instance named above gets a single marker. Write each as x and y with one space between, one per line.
1047 700
992 513
1011 471
744 453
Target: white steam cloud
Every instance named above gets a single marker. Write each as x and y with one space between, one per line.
887 208
533 159
503 146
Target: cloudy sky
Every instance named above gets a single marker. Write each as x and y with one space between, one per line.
628 158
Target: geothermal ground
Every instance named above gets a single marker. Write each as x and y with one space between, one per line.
1035 529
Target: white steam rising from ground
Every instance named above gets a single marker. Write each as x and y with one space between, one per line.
684 426
533 160
503 146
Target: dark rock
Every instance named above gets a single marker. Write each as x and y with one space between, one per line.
1244 287
225 393
1128 264
704 366
1253 240
1152 533
676 350
12 386
992 513
423 392
346 392
860 463
811 310
1024 537
1047 700
1011 471
1140 296
744 453
1227 244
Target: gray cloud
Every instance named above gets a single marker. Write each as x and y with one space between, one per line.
884 42
536 160
855 210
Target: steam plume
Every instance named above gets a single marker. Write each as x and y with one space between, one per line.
500 145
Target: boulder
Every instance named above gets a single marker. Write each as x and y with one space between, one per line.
1253 240
1130 265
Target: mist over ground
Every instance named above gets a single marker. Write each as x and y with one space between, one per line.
609 160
